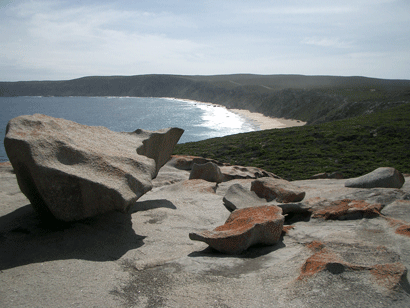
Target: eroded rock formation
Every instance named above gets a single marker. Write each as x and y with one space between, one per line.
71 171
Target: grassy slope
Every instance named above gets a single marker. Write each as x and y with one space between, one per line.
352 146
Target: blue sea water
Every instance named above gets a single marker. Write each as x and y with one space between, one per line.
199 120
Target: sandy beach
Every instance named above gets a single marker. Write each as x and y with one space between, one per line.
265 122
259 119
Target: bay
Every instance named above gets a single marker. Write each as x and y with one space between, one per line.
199 120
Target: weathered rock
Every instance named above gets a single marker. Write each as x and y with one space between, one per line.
244 228
386 270
71 171
209 172
346 209
158 145
238 197
386 177
281 190
239 172
185 162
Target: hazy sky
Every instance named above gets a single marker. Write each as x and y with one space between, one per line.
55 40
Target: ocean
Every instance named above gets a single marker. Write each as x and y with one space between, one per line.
126 114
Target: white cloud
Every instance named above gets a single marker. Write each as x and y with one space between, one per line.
326 42
307 10
72 39
86 40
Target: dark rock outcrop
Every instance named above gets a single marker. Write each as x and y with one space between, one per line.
71 171
244 228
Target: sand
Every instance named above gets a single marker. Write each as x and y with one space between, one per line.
262 121
265 122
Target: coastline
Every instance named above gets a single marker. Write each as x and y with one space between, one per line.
262 121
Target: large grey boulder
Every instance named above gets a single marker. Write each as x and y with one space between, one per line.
385 177
245 228
71 171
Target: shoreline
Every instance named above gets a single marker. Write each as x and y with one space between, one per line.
259 119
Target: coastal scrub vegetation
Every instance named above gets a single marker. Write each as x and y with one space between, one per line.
353 146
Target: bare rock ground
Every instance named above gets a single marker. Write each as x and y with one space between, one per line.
145 258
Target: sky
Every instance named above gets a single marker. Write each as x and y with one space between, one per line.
60 40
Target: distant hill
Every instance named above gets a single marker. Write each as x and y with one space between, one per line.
315 99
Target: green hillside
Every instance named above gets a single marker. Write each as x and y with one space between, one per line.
352 146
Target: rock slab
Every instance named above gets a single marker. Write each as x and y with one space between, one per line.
281 190
244 228
384 177
70 171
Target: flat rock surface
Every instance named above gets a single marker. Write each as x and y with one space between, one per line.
145 258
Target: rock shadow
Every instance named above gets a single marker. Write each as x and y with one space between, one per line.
252 252
26 239
151 204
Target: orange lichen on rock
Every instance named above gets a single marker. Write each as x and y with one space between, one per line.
346 208
315 246
402 227
403 230
389 275
244 218
244 228
322 259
